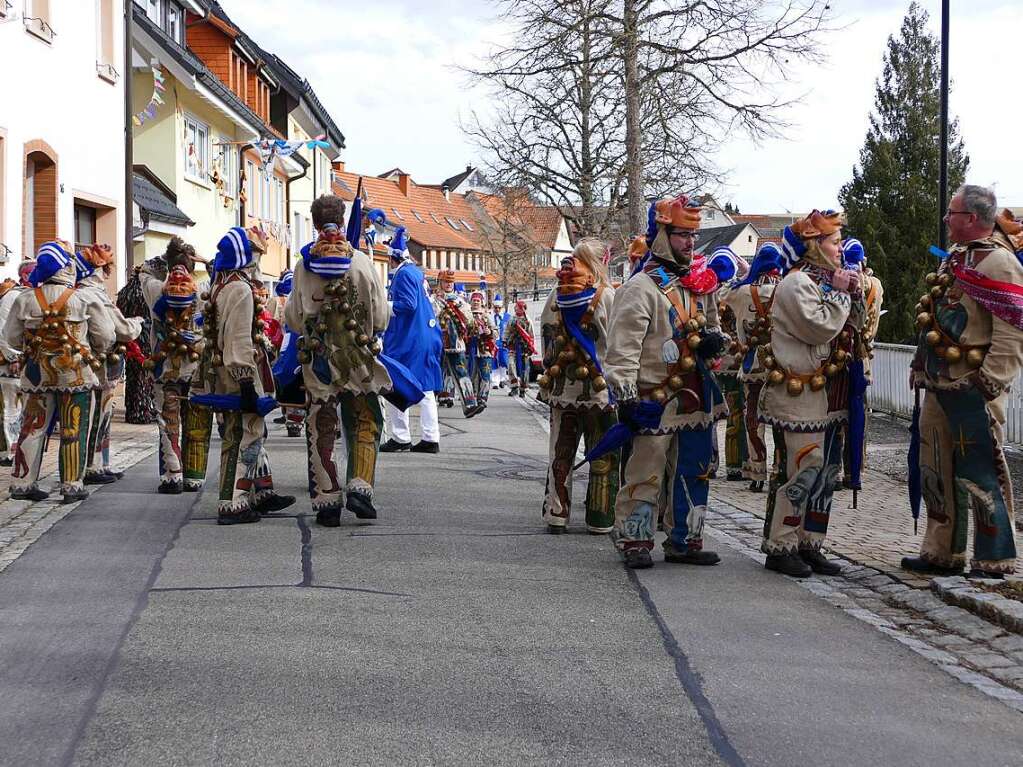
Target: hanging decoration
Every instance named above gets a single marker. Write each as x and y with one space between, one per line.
269 148
155 101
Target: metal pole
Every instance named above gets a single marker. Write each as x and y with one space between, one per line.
943 180
129 159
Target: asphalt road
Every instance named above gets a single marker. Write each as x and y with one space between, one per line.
451 631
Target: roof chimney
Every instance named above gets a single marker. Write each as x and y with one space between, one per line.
339 166
447 192
404 182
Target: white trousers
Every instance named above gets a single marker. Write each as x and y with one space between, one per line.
428 420
12 410
499 377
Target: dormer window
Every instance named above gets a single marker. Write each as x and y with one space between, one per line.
168 15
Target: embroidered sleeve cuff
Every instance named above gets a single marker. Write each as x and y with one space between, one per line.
239 373
988 386
839 298
624 392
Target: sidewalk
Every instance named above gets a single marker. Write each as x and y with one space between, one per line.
23 522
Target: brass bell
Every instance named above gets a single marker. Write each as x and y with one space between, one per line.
194 356
330 288
692 326
321 327
559 340
342 289
693 342
923 319
925 299
543 381
754 340
113 359
687 364
568 355
953 354
584 326
599 384
96 364
933 338
931 278
937 292
149 364
843 336
733 347
975 358
794 387
831 370
776 377
345 307
582 372
769 361
946 279
205 295
351 324
675 383
817 382
701 320
554 371
659 395
841 355
362 339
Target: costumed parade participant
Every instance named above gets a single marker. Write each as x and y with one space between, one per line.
169 288
339 305
805 399
481 349
455 319
969 352
728 266
518 340
235 369
414 339
658 351
749 300
55 327
574 325
500 319
94 266
10 366
287 370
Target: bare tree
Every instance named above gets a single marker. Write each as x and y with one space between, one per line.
505 235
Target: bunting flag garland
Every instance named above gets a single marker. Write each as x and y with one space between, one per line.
155 101
269 148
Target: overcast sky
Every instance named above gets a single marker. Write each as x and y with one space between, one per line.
387 73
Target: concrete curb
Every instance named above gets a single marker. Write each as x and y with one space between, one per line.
957 590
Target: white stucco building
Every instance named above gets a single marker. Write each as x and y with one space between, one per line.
62 162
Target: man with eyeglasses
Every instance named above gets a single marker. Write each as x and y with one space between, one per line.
969 351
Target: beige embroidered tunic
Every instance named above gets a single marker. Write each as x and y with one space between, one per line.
744 301
175 368
125 329
567 393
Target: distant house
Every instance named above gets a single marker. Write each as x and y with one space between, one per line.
443 229
770 225
742 238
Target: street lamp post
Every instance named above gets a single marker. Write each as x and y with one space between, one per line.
943 170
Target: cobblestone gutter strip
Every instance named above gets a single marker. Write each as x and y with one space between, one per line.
969 648
958 591
22 523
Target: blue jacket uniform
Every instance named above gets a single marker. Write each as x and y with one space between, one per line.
413 336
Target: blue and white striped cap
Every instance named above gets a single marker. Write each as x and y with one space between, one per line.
852 252
50 259
724 263
234 251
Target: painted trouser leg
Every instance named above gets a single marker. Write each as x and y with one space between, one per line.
755 466
806 467
567 426
168 398
735 429
74 408
963 471
39 408
5 444
242 443
95 422
447 396
455 366
482 378
12 410
321 431
715 451
637 500
521 373
195 448
362 421
688 488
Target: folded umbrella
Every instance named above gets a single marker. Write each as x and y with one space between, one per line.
857 426
232 402
406 390
913 461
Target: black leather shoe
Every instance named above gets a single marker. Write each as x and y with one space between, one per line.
557 529
756 486
329 517
75 496
170 488
294 429
361 506
280 419
921 565
273 503
513 392
394 446
244 517
6 461
689 556
99 478
426 447
115 474
819 563
35 495
638 559
734 475
788 564
977 573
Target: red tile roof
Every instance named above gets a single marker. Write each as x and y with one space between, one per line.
431 231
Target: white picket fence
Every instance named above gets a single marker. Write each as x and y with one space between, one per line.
890 392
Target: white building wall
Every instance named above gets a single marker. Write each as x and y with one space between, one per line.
52 91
